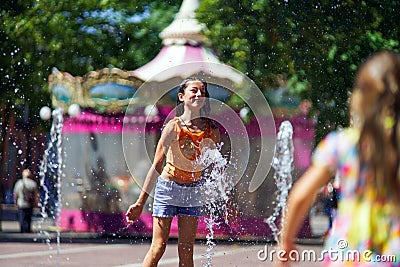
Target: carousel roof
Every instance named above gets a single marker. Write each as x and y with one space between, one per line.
184 44
183 55
185 60
185 29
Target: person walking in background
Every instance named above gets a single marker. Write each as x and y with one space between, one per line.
2 197
176 174
26 198
331 193
366 158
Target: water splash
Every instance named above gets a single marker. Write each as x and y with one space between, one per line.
51 168
283 166
216 190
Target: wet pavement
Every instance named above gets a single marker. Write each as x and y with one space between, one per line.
130 255
88 249
74 251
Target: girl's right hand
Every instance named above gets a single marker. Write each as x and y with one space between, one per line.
133 213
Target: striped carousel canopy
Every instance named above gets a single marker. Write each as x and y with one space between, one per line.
185 51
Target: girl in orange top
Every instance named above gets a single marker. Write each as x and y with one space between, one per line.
176 175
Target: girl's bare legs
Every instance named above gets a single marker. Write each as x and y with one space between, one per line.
161 227
187 227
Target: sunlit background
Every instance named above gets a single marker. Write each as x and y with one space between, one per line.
90 57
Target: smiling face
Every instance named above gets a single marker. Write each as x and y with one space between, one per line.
194 95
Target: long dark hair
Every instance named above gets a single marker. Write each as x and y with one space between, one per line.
376 102
205 110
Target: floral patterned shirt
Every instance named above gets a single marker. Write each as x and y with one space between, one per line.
366 231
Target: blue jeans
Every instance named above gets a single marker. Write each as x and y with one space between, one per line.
25 219
172 199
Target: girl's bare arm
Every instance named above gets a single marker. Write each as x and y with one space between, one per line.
155 170
299 202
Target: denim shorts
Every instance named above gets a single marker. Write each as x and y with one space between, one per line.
172 199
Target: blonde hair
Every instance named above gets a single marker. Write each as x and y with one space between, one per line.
375 111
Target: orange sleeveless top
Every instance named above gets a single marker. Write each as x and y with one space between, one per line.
182 155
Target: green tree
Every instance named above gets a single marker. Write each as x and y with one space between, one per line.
315 45
76 36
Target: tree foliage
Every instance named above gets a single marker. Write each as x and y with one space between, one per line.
315 45
76 36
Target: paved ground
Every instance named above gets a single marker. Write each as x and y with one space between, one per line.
85 249
130 253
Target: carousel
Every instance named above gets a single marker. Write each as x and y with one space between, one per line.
103 173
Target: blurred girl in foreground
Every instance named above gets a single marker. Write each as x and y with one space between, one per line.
366 157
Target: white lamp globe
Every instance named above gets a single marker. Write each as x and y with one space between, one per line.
74 110
244 112
151 111
45 113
